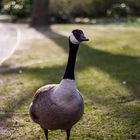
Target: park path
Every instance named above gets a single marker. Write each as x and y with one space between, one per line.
13 37
10 37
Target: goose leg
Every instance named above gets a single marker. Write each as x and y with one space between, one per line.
68 133
46 133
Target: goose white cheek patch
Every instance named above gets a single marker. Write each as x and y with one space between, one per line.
73 39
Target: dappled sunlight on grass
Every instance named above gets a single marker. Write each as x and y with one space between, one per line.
107 74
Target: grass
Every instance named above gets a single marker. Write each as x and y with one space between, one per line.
107 74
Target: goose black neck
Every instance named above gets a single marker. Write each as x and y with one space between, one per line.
69 72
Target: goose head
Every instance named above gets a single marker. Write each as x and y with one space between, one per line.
77 36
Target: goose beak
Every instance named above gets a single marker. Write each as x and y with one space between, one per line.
83 38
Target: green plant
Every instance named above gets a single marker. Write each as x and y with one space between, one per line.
19 8
119 10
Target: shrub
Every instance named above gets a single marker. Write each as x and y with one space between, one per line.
19 8
119 10
65 10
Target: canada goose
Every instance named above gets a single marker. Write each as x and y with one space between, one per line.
60 106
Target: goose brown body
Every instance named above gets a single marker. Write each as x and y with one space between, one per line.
57 106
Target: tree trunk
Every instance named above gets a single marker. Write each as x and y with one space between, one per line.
40 13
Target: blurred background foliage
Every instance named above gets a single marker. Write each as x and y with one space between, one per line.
67 10
19 8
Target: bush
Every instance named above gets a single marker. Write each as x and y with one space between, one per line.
19 8
58 11
64 11
119 11
134 6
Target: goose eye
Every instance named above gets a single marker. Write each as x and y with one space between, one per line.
77 35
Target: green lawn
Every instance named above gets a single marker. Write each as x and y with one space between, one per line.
107 74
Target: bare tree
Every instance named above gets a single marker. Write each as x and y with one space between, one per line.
40 16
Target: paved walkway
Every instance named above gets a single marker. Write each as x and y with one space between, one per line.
10 37
15 36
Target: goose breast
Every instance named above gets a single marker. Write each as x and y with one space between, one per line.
57 107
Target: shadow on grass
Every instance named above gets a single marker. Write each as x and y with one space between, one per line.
120 67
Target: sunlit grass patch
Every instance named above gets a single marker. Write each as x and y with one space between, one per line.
107 75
